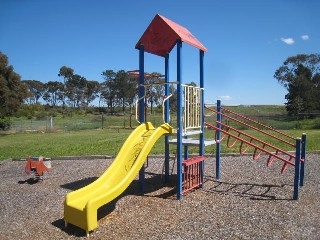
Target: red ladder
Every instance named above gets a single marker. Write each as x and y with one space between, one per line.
192 173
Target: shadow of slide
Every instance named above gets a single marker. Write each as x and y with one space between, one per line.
152 184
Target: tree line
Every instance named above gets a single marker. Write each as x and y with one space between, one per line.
119 89
300 75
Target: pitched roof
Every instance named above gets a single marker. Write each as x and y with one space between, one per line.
162 34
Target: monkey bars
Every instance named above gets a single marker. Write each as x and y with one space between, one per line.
246 141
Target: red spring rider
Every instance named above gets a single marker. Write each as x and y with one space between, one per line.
37 166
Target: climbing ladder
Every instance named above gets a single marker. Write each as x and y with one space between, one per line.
192 168
192 173
260 147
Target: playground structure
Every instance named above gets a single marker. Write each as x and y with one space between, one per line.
37 166
80 208
161 36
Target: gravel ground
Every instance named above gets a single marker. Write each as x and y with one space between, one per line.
250 201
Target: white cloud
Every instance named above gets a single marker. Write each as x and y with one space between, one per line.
225 98
288 41
305 37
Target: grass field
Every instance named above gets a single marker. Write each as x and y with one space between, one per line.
82 134
105 142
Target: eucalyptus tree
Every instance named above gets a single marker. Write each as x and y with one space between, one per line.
12 89
66 73
300 75
91 91
109 88
53 92
35 89
75 88
155 91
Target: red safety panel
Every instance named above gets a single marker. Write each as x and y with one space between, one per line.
192 173
162 34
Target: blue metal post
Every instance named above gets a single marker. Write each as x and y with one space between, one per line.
201 147
303 156
297 170
166 118
186 150
141 107
218 147
179 121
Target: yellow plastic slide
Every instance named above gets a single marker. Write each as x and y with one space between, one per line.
80 207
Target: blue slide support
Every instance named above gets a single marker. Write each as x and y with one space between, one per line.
141 107
218 137
201 147
297 170
166 118
179 121
303 156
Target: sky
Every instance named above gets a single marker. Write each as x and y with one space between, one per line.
247 41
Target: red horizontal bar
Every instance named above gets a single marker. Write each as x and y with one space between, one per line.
251 144
256 139
257 129
190 188
260 124
193 160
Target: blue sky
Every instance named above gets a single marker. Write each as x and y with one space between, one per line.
247 40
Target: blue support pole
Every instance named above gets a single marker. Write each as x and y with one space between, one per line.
303 156
201 147
179 121
297 170
166 118
141 107
218 147
186 150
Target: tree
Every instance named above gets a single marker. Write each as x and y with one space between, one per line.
156 90
121 83
78 90
173 98
12 90
118 89
91 91
66 73
300 75
53 92
125 87
132 90
75 90
36 90
109 91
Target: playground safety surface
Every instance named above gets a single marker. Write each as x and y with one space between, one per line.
250 201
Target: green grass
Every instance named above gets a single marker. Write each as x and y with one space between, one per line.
108 142
77 122
87 142
81 134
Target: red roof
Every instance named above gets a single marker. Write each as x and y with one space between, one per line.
162 34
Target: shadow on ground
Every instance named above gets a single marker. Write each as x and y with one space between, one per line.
152 184
79 184
30 181
252 191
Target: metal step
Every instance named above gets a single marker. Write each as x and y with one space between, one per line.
193 142
191 132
